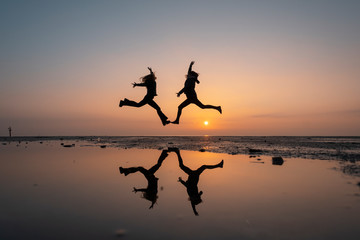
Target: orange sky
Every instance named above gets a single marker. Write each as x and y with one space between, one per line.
276 69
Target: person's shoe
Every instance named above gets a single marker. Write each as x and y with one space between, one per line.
123 171
175 122
121 103
164 154
221 164
219 109
166 122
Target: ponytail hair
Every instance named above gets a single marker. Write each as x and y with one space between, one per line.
192 74
147 78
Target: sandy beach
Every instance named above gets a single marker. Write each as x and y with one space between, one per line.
72 189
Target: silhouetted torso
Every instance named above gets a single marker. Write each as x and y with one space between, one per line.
151 88
189 88
152 187
192 184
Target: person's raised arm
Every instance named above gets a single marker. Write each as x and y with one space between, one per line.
151 72
190 67
194 209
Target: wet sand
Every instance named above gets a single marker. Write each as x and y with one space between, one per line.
54 192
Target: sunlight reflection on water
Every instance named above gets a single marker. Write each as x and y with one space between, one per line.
52 192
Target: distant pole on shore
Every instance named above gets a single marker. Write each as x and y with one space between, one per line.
9 131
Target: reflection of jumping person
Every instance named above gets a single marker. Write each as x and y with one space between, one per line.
149 193
193 180
149 82
189 90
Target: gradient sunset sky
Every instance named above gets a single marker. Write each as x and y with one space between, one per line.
275 67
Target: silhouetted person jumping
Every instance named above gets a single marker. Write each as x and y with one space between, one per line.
149 82
193 179
149 193
189 90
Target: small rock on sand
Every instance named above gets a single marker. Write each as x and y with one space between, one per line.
277 161
69 146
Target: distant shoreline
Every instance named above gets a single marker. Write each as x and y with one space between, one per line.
345 148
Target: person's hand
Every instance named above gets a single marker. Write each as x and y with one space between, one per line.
150 69
192 62
134 84
135 190
180 179
178 94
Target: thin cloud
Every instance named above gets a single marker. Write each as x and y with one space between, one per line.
272 115
348 112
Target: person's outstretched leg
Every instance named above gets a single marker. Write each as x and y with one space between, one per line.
202 106
180 108
162 116
130 103
130 170
162 157
181 164
203 167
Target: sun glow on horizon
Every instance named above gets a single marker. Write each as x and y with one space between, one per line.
206 123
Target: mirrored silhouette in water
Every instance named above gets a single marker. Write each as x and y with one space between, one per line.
149 82
191 96
193 179
149 193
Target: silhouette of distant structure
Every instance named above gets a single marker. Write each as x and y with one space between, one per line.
9 128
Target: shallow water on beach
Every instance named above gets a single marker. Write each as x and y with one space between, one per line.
52 192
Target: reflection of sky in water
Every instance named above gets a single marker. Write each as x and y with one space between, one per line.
51 192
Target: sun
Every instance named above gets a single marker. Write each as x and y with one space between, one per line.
206 123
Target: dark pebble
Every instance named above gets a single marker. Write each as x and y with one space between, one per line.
277 161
